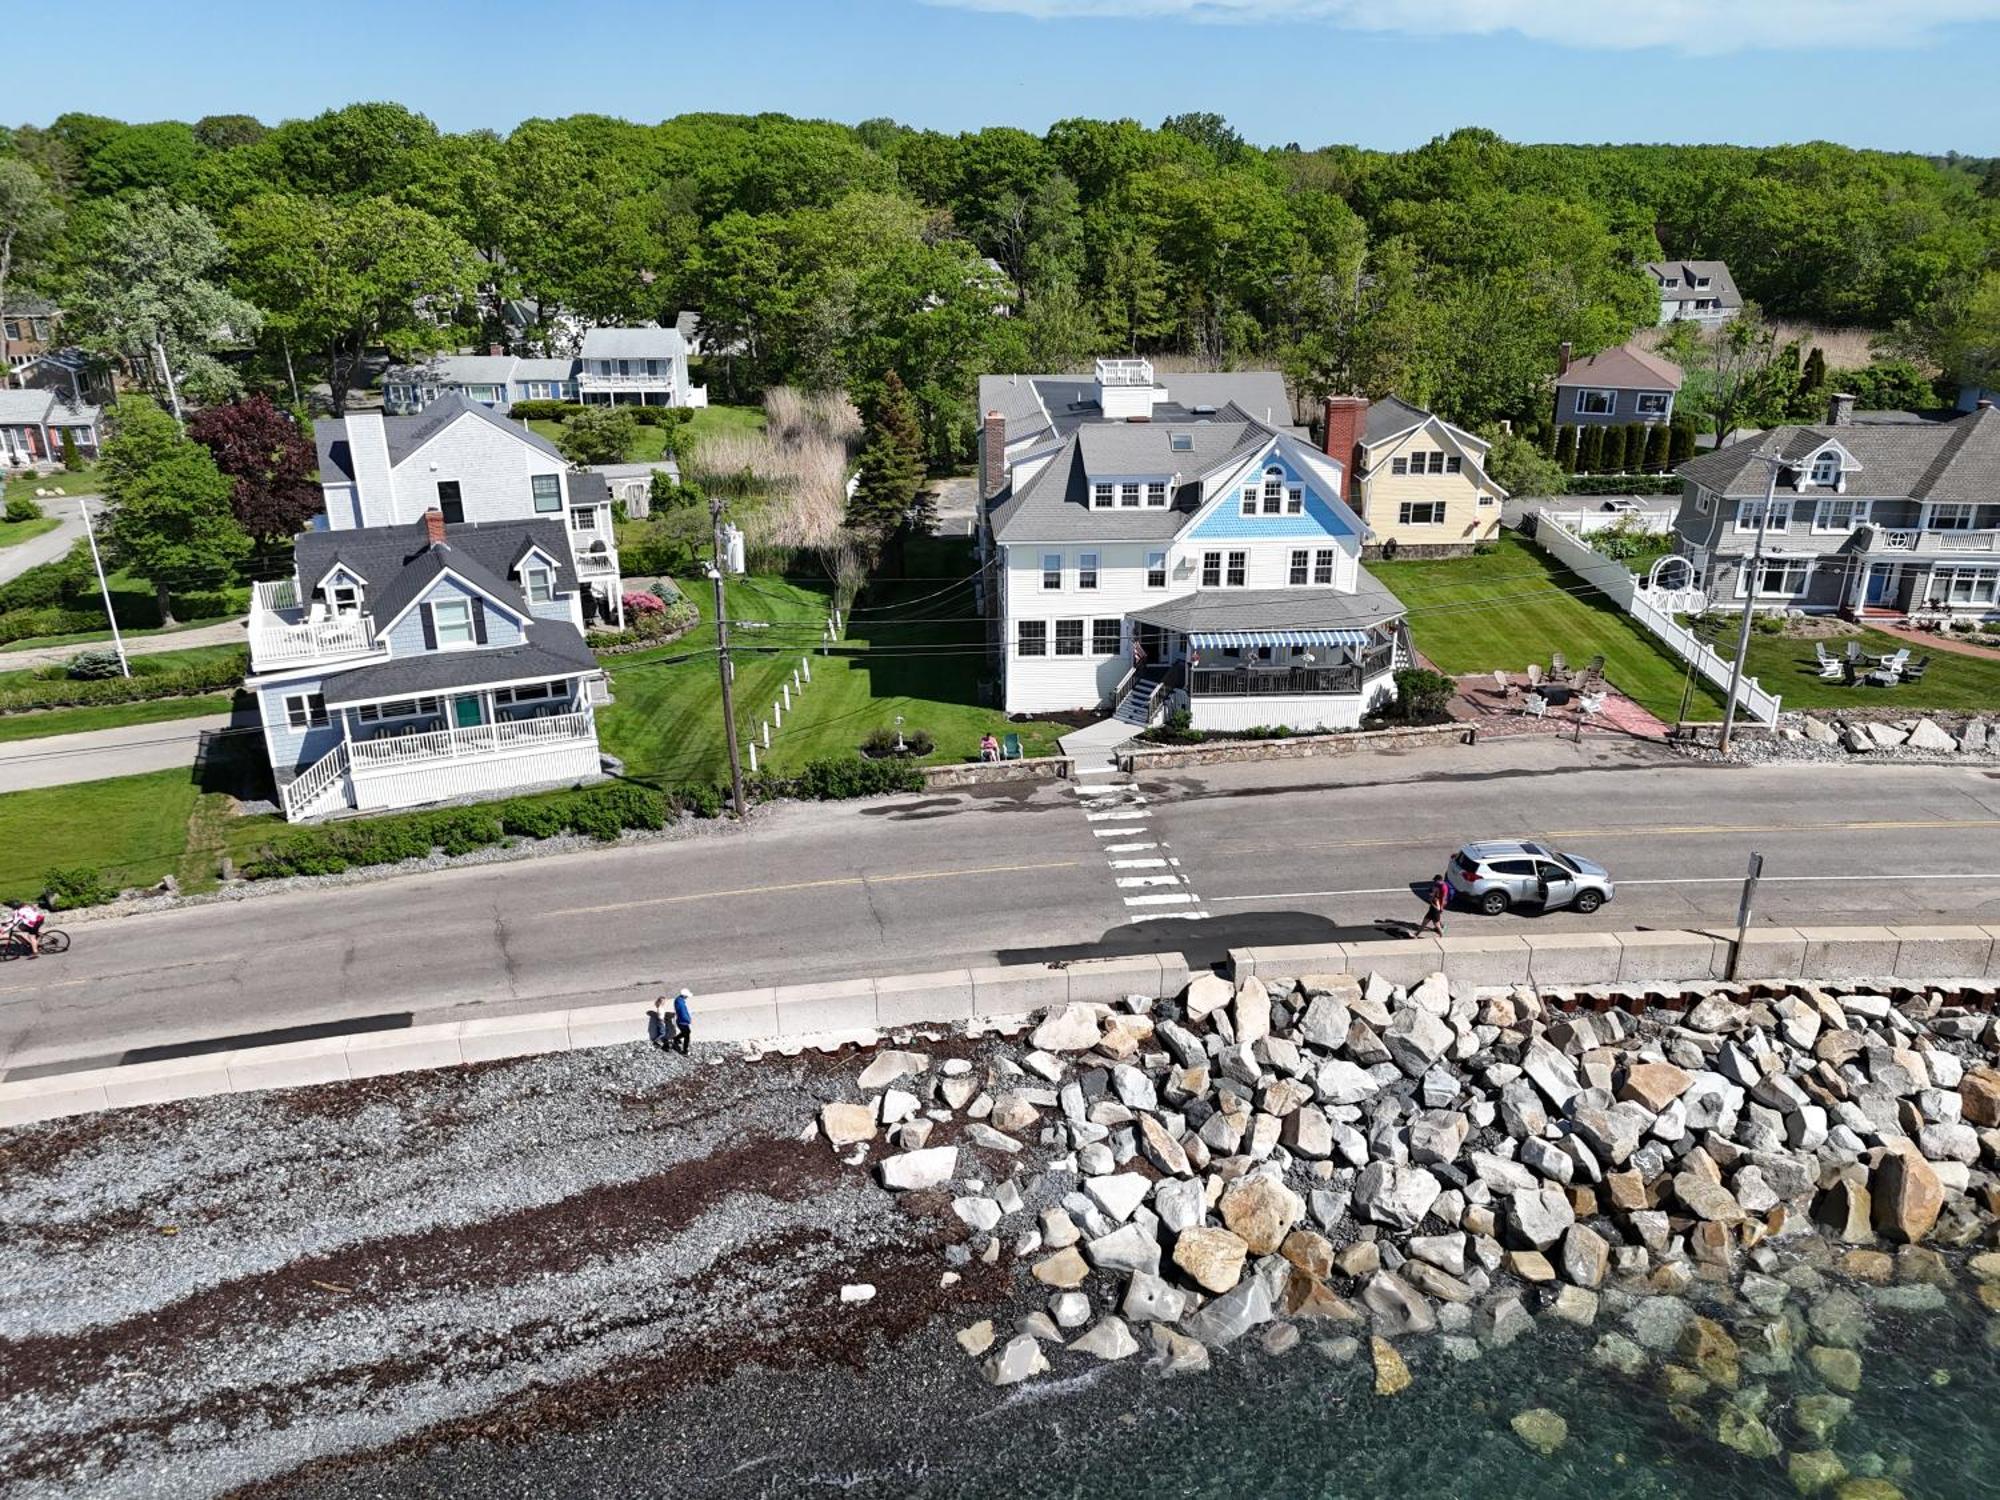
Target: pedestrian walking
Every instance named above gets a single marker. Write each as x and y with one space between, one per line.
657 1027
1438 899
683 1022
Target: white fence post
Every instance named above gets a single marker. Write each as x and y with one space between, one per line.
786 689
767 734
806 666
753 756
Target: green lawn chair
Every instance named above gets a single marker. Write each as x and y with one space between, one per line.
1010 747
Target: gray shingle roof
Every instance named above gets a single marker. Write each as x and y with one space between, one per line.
1277 609
553 649
586 488
633 343
1390 416
1721 285
1071 400
405 435
1055 504
385 556
1955 461
32 407
1623 369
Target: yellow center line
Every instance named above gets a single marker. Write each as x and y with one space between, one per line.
1641 831
816 885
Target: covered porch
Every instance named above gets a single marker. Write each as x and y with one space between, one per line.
1306 660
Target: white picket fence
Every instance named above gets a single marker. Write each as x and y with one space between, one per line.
802 676
1622 586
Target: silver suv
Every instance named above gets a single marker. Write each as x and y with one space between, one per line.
1501 873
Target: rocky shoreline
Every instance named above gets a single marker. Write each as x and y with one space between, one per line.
1725 1189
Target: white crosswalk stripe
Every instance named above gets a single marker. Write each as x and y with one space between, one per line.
1121 808
1140 882
1162 899
1138 864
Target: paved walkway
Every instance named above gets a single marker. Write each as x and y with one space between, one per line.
50 545
61 759
219 633
1479 701
1091 747
1936 640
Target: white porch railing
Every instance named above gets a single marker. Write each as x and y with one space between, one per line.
402 750
1913 539
276 640
305 792
1968 541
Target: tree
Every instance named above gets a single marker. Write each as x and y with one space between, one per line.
1886 385
1813 377
226 132
342 279
1519 467
270 464
70 459
1656 449
1680 444
1566 448
1059 331
144 291
30 219
170 521
1734 373
1635 447
599 435
1590 450
891 469
1612 459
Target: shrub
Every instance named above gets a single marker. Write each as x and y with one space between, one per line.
881 742
93 665
148 682
465 829
1422 694
836 778
23 508
702 800
533 817
70 460
76 885
638 603
1769 624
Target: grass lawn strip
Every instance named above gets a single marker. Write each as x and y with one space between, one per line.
1787 665
132 828
650 444
1516 605
166 661
13 533
53 721
81 481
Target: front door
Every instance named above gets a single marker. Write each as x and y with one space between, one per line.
1558 883
466 712
1881 584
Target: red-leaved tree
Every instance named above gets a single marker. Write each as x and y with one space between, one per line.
269 462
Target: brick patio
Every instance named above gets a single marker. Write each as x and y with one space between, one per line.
1478 701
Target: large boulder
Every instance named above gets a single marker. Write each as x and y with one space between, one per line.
1415 1040
889 1065
1585 1255
1206 994
1537 1219
1325 1023
1395 1195
1261 1211
1252 1011
1979 1097
1129 1247
914 1171
847 1124
1655 1085
1927 736
1161 1149
1908 1195
1109 1340
1341 1082
1396 1306
1212 1257
1074 1028
1232 1315
1018 1359
1149 1299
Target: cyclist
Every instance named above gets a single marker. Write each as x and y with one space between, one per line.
28 921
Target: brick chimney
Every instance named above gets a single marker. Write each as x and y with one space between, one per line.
1563 354
1840 410
434 526
992 456
1346 417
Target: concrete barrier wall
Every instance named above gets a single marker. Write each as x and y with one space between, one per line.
1300 747
846 1007
771 1014
987 772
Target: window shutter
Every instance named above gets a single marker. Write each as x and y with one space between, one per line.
430 626
479 621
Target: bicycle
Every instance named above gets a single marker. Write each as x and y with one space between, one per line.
14 943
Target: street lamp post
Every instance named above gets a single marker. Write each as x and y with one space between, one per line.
1774 463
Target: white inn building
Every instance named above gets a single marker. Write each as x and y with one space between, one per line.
1153 542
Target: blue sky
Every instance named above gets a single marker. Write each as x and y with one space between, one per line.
1898 74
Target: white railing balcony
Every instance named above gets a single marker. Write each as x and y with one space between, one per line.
400 751
1124 372
1897 541
1966 541
283 634
633 380
594 564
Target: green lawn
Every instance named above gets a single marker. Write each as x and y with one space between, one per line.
146 665
13 533
133 828
651 442
1788 667
82 482
919 657
1516 605
45 722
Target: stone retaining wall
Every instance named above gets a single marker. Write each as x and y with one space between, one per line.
987 773
1299 747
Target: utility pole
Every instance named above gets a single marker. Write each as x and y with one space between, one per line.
722 663
1774 463
110 614
173 391
1743 911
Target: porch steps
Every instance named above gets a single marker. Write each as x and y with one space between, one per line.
1132 708
320 788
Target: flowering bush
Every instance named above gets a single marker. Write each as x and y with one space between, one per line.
637 603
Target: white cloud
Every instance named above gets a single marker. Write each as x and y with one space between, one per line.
1692 26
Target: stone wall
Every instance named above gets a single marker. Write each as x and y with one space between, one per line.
1299 747
988 773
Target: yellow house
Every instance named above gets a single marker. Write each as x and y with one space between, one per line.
1419 482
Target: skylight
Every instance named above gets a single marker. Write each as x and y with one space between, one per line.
1182 442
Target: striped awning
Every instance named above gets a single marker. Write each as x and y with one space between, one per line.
1229 640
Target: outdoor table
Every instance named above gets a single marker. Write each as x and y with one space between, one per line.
1555 694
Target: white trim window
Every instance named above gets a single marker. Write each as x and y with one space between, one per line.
1128 495
1323 565
1086 570
540 585
1968 587
548 493
1838 517
1107 637
1949 517
1295 501
1274 491
1052 570
345 598
1778 518
1399 466
398 708
1211 568
1595 403
1826 469
1420 513
531 692
306 710
1069 638
1031 638
1301 567
1249 500
1436 464
1454 464
1101 494
1652 403
1156 570
1777 577
1156 494
1238 571
451 622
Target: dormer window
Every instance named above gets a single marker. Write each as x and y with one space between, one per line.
344 597
1128 495
1671 282
1700 283
539 584
1101 494
1156 494
1826 469
1274 490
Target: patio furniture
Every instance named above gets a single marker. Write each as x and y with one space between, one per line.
1558 667
1854 651
1535 706
1593 672
1010 747
1829 666
1914 672
1506 688
1891 669
1534 676
1592 703
1556 694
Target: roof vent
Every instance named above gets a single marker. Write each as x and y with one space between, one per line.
1202 411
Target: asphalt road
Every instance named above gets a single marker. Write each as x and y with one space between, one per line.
1270 853
50 545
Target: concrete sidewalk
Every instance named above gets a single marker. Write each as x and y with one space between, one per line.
61 759
16 560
